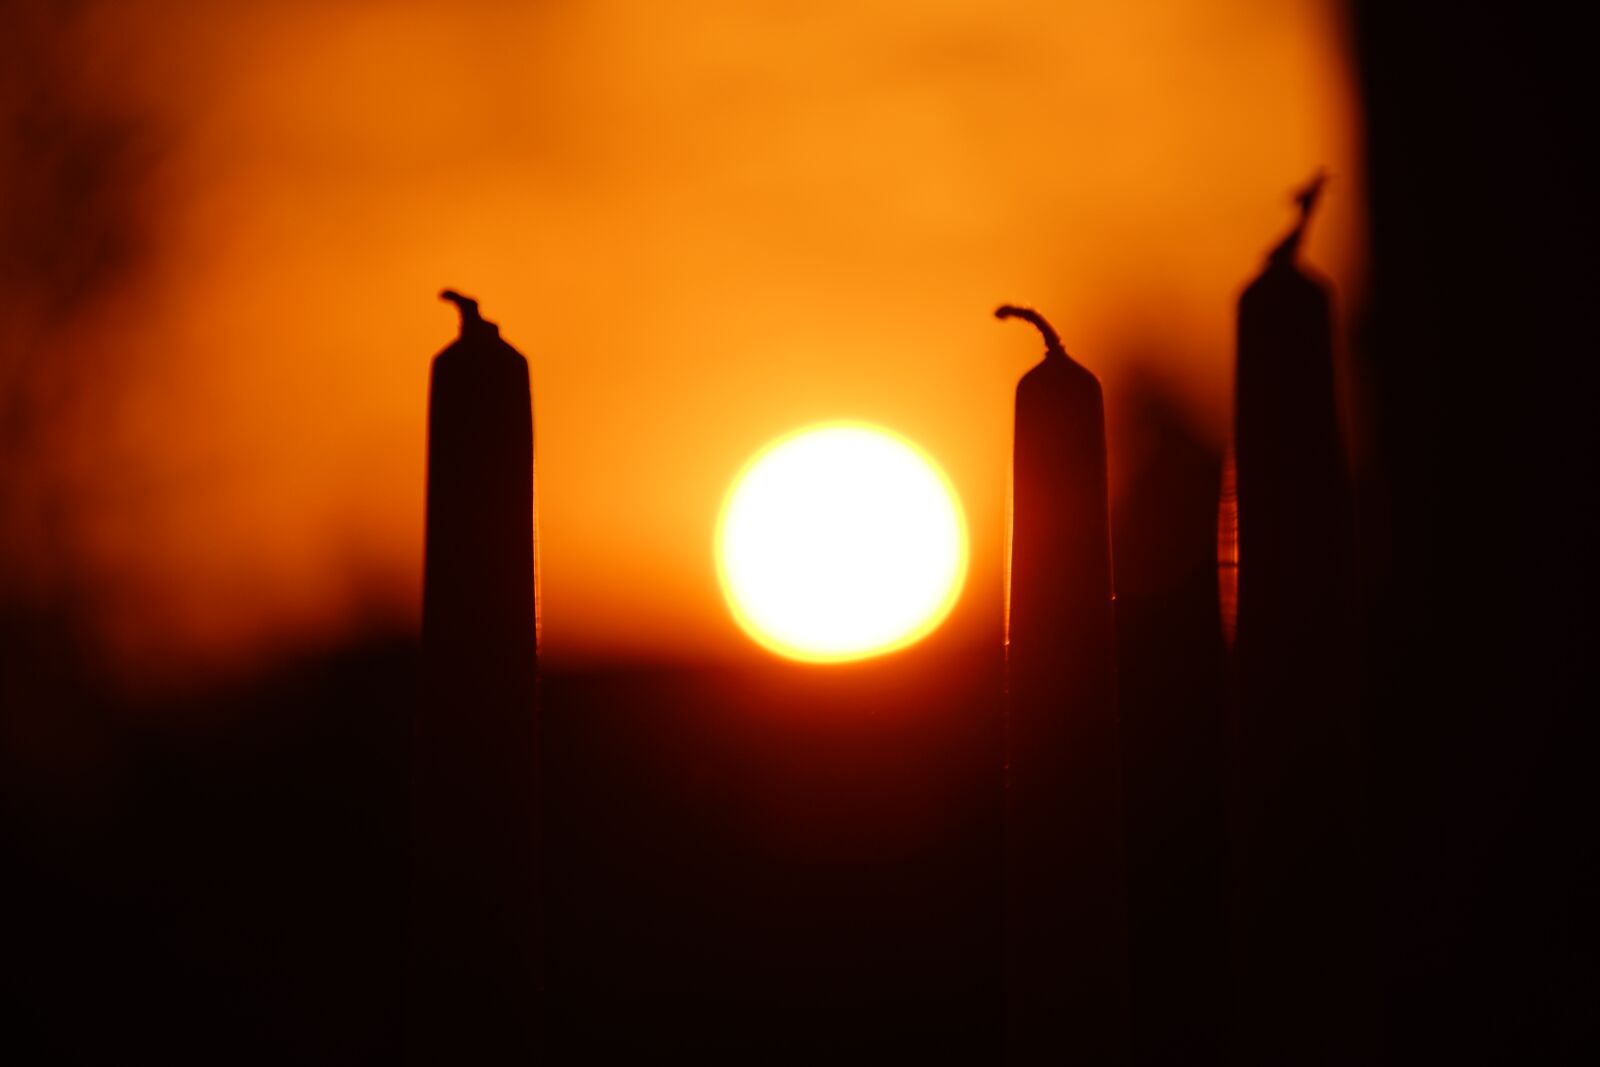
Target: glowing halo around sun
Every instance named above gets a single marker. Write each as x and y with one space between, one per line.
841 541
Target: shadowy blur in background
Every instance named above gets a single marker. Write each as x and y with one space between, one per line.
225 226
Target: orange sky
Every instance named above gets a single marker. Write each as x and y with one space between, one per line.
705 223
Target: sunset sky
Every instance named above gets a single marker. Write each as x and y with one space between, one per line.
704 223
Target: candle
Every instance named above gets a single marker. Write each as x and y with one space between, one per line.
473 939
1294 887
1066 922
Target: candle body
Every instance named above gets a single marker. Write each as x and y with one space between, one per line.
1066 925
1296 906
474 974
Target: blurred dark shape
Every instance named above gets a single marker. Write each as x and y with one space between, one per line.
1066 906
1479 526
1305 198
77 223
215 876
1171 695
474 938
1298 916
775 863
75 162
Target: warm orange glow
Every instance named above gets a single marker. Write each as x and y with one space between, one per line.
699 221
839 542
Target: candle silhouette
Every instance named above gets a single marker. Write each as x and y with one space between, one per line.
1066 924
473 959
1295 892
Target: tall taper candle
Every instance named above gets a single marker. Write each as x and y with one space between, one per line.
1066 921
473 952
1296 903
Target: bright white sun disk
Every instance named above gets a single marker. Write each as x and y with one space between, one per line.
841 541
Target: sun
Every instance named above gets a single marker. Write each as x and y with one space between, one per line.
841 541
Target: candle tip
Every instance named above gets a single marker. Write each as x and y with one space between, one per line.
1052 342
1305 198
471 319
1307 195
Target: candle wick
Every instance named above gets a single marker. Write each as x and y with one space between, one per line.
1052 342
471 320
1306 198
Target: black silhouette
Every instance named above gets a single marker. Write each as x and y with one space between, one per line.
1066 937
1296 887
1171 703
473 953
1479 527
775 864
